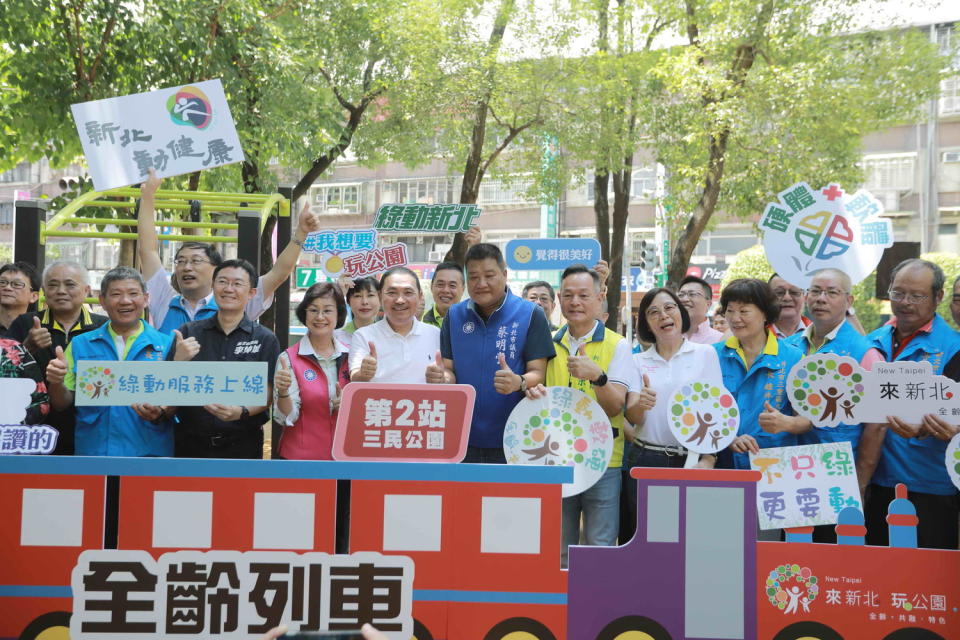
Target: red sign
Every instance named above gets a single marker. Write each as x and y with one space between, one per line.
404 422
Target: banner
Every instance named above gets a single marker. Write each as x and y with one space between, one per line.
174 131
551 253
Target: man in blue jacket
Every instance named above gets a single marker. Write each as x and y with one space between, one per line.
495 341
899 451
137 430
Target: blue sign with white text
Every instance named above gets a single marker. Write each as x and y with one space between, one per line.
546 254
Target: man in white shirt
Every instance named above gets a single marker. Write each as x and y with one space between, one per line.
398 348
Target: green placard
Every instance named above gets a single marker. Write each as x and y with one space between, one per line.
309 276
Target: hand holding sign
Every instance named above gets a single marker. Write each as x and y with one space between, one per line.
38 337
368 366
148 188
436 373
745 444
185 349
57 368
505 381
473 236
938 428
149 412
283 379
336 398
582 367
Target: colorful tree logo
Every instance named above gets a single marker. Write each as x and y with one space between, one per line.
953 460
190 107
96 382
826 389
704 417
565 428
827 234
790 587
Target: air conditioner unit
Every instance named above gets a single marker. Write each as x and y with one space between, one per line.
435 256
951 156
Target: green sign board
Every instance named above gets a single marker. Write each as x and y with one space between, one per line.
309 276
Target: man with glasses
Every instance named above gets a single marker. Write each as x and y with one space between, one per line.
791 298
696 295
541 293
19 292
216 430
900 451
194 264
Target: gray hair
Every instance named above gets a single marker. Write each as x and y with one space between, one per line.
70 264
122 273
845 281
939 279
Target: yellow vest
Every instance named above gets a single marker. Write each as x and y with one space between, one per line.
600 349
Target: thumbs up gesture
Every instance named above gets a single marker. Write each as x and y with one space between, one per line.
308 221
647 397
186 349
283 378
57 368
38 337
582 367
368 366
505 381
436 373
772 421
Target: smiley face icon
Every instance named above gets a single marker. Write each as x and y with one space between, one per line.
522 254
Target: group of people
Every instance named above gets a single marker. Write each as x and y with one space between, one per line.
502 344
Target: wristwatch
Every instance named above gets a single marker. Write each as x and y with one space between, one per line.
244 413
599 382
523 384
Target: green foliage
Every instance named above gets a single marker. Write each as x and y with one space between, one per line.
749 263
950 263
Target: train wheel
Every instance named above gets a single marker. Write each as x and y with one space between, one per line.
519 629
807 631
420 631
634 628
913 633
50 626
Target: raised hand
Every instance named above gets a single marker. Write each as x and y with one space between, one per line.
185 349
38 337
647 397
505 381
473 236
436 373
283 379
368 366
582 367
308 221
149 186
57 368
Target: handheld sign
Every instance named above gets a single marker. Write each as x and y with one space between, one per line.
17 438
810 229
109 383
404 422
806 485
953 460
438 218
704 416
565 427
546 254
173 131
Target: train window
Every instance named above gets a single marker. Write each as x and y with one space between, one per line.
52 518
714 562
510 525
283 520
663 514
182 519
412 522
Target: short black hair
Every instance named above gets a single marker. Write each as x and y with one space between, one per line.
540 284
485 251
238 263
212 254
367 283
751 291
26 269
323 290
447 266
643 327
405 271
573 270
707 289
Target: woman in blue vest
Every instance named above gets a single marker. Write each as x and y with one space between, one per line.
755 366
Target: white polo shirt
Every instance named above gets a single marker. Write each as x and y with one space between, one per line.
401 359
691 363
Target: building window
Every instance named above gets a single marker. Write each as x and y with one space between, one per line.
20 173
337 198
950 96
643 187
725 242
505 192
890 172
6 213
948 229
420 191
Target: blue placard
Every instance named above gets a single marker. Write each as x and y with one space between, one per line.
551 253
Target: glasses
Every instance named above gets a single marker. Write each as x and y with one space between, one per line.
833 294
193 262
223 283
783 293
654 312
14 284
912 298
684 295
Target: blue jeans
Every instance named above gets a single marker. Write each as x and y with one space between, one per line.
600 506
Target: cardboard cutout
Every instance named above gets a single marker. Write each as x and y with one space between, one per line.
810 229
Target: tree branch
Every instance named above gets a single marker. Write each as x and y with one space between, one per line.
336 92
513 133
107 32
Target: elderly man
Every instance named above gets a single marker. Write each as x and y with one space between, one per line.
791 298
541 293
597 361
137 430
498 343
696 295
65 288
899 451
447 289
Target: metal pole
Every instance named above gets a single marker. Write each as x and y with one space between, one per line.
248 237
281 303
28 246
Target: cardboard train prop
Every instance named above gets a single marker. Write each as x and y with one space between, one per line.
169 548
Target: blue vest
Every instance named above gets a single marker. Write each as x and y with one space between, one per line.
177 315
766 381
476 345
848 342
917 462
119 431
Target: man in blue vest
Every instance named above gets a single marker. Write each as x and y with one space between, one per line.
193 269
137 430
899 451
495 341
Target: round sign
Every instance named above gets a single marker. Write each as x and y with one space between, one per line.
826 389
704 417
953 460
565 427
